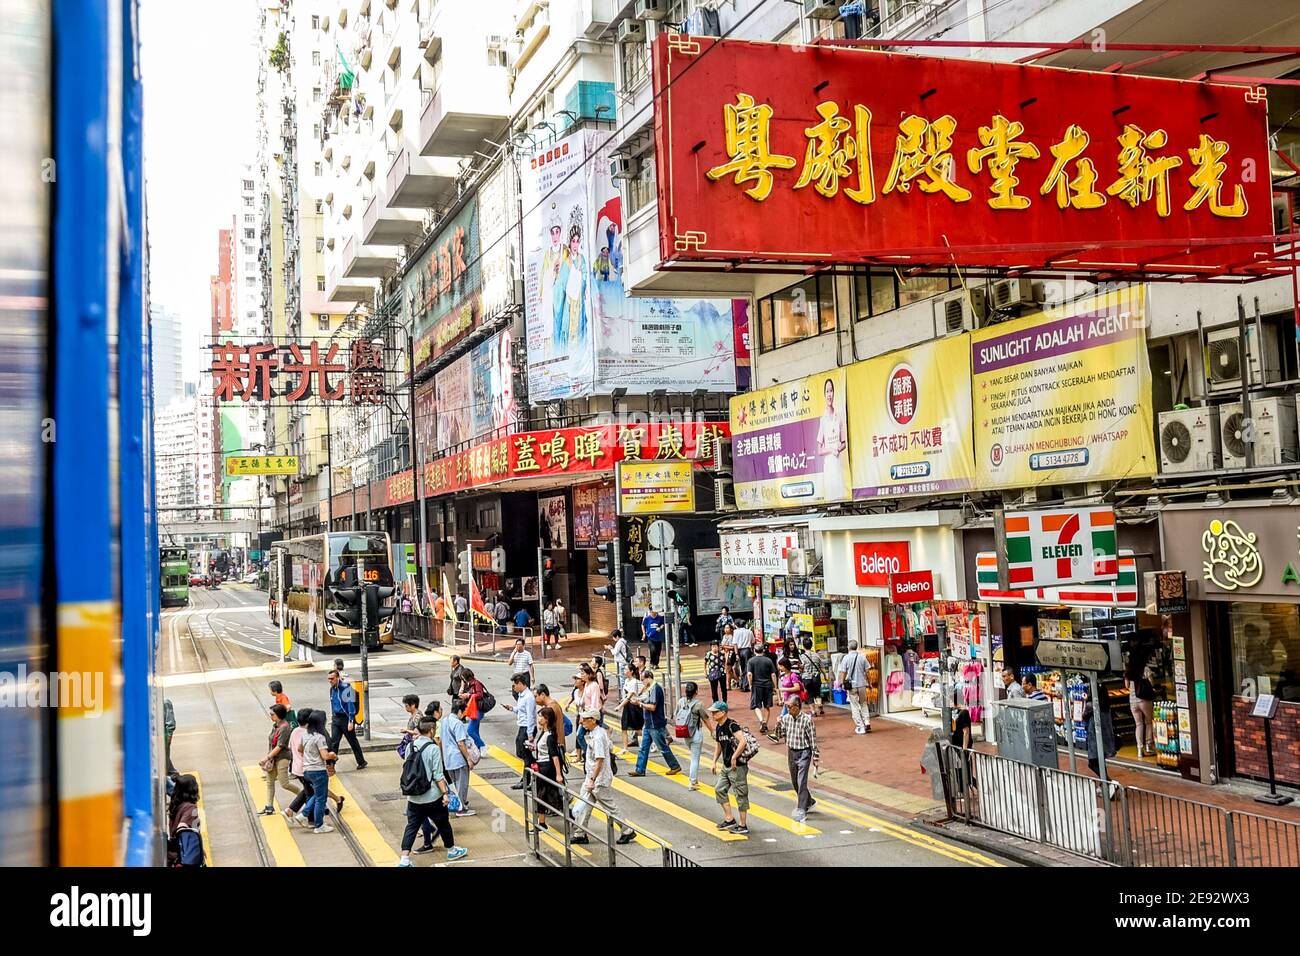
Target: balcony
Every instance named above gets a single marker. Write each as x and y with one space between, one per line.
383 225
430 41
363 261
340 288
417 182
460 115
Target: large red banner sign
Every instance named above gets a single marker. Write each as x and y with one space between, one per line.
840 154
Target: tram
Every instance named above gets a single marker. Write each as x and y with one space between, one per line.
174 577
79 786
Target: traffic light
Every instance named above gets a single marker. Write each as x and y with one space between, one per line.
377 613
548 569
678 591
346 606
463 572
607 567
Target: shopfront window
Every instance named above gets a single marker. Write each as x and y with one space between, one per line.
1265 650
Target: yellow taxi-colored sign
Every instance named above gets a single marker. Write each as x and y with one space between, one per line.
262 465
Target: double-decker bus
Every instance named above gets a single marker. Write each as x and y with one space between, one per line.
175 577
306 569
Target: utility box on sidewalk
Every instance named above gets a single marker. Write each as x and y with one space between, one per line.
1027 731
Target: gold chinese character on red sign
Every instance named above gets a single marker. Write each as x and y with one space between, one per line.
747 129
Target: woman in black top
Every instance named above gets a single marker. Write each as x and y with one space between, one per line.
1141 697
549 765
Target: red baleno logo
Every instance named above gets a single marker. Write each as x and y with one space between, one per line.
875 561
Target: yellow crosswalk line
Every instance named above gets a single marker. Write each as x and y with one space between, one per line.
275 828
517 765
363 828
762 813
203 821
514 810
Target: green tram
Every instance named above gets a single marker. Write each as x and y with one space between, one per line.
175 577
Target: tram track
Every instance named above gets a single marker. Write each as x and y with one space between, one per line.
202 661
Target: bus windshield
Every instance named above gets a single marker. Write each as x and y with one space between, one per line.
347 551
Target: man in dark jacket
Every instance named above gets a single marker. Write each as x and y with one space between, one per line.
343 709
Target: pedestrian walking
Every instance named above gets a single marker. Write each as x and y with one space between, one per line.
548 765
761 673
602 679
278 696
631 717
425 784
791 686
461 605
501 614
733 779
550 627
620 652
1141 695
745 640
724 621
715 669
652 702
457 757
456 681
521 661
343 710
690 715
652 628
475 696
184 835
525 708
275 765
295 766
797 729
852 677
598 784
315 752
561 621
546 702
812 668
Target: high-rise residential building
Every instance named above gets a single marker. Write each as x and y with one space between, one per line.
166 344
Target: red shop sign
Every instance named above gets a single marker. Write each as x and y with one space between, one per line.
875 561
860 154
908 587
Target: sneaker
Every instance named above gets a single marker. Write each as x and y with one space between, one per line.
743 831
301 820
466 812
640 773
456 853
626 837
868 728
405 861
427 848
673 772
542 826
580 839
694 786
859 730
323 828
798 816
363 765
289 815
725 825
518 786
267 811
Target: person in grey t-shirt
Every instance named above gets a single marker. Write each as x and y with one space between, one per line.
852 676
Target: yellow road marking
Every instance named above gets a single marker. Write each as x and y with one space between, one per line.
275 827
203 821
517 765
762 813
515 811
363 828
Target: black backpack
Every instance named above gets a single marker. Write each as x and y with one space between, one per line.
415 779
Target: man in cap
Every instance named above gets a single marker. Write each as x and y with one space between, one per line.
598 784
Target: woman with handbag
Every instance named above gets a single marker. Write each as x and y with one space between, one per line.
631 719
473 692
810 669
791 686
1142 695
275 765
549 765
689 726
715 669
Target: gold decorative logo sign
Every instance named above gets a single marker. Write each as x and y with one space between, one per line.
1232 558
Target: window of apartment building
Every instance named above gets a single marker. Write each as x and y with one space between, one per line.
248 200
249 217
636 64
248 185
315 131
320 283
876 292
324 322
250 280
248 233
315 23
641 187
320 244
317 168
798 312
316 95
320 207
315 57
248 250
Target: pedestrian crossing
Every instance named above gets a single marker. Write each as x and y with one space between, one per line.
658 806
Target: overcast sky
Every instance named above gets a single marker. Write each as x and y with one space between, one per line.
200 79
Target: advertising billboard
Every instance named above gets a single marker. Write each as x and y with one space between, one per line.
475 394
820 154
441 289
654 487
1064 395
674 344
790 443
910 421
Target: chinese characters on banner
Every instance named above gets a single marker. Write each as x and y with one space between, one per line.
1009 164
790 445
441 290
248 372
262 465
646 487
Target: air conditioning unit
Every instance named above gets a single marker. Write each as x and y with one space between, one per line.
1223 365
1189 440
722 456
624 167
724 495
821 9
1012 293
963 311
650 9
1271 429
630 30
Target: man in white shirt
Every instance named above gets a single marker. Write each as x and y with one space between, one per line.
619 651
598 784
521 662
525 708
852 675
1011 685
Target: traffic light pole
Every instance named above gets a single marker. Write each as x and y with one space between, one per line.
469 592
541 598
365 647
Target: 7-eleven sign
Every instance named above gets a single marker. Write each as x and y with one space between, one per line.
1071 545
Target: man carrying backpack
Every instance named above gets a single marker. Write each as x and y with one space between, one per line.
852 676
736 746
425 785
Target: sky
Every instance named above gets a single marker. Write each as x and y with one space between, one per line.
199 63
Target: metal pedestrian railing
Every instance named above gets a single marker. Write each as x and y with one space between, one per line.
554 845
1102 820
